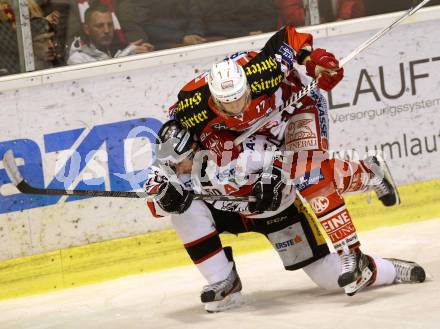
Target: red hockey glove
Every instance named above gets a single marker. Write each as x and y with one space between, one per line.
324 66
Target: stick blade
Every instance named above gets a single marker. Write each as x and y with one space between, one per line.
11 168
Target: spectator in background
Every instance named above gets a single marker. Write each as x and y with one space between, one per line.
292 11
236 18
43 44
100 42
346 9
166 24
174 23
57 12
42 8
9 60
36 10
124 15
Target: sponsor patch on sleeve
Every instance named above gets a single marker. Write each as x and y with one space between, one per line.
309 179
286 56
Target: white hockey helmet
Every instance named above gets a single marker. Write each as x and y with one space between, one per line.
229 87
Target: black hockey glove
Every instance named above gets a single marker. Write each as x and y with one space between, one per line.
268 191
173 201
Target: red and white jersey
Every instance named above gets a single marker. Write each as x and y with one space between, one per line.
236 176
272 78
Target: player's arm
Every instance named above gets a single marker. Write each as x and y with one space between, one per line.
170 197
151 186
320 64
324 67
301 43
253 164
268 189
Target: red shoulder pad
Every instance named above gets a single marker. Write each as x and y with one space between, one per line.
197 83
298 40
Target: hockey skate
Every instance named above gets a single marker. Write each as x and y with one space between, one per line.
357 272
407 271
223 295
382 182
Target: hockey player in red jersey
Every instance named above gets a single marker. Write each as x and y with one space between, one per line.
289 228
239 91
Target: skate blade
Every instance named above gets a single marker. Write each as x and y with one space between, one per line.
389 177
230 301
352 288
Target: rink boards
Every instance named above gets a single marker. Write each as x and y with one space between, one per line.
388 101
73 267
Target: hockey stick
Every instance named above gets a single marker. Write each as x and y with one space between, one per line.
312 85
18 180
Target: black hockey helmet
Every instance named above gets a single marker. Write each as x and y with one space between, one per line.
175 143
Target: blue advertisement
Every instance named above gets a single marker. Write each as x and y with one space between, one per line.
111 137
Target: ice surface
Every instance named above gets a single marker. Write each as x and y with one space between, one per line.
274 298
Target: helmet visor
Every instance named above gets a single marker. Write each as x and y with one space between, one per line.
173 159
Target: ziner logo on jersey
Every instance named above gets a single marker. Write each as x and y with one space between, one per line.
263 75
190 102
261 85
112 138
269 64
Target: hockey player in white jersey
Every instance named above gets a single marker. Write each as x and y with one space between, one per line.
286 223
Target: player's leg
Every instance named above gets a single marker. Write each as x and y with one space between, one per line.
294 234
382 181
351 176
364 175
325 271
307 136
297 239
197 229
224 294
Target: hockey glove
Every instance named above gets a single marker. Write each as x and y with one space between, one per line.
324 66
268 190
171 200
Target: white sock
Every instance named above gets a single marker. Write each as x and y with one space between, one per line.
194 224
325 271
386 272
215 268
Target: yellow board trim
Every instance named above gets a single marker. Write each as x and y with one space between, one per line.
160 250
